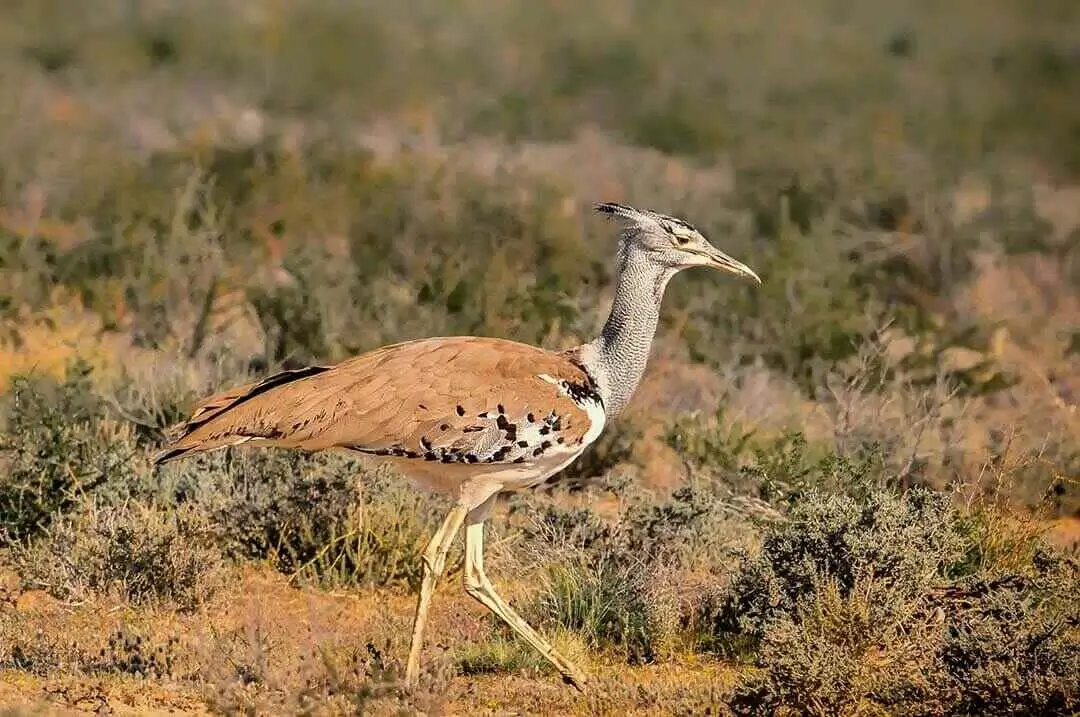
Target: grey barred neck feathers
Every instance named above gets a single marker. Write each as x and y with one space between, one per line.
617 358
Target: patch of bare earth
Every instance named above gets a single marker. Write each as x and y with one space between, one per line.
268 647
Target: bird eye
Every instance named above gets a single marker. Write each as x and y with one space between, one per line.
682 238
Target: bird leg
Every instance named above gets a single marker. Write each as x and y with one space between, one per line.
479 587
434 559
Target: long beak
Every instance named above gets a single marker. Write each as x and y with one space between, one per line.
723 262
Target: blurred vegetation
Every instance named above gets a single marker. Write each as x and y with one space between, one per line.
195 194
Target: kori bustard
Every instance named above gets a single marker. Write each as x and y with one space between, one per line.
468 416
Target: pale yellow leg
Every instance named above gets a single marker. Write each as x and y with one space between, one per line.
434 560
479 587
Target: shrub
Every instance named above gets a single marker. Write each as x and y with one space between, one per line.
605 601
622 582
1011 644
153 399
869 607
496 654
693 525
839 653
28 645
905 543
320 516
697 526
53 449
333 678
396 522
139 552
775 471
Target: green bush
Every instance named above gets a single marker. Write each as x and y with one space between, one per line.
605 601
904 543
499 653
838 653
52 451
1011 644
140 553
321 516
777 472
870 607
614 581
693 525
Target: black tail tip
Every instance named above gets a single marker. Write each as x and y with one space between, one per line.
169 454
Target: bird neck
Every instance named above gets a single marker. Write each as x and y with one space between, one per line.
616 359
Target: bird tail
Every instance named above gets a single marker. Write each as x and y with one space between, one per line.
206 429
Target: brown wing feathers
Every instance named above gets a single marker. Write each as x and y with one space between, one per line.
449 399
211 407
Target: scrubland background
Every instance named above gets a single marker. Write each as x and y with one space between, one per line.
851 491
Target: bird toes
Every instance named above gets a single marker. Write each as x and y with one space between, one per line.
576 679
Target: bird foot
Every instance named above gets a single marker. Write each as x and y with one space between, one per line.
575 682
575 678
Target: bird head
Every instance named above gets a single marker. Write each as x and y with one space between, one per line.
672 242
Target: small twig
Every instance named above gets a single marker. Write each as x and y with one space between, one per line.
198 334
124 414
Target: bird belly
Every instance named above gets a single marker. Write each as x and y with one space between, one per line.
537 473
448 479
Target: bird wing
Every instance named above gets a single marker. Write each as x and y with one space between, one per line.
453 400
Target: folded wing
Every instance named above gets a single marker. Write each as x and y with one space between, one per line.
451 400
